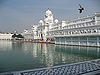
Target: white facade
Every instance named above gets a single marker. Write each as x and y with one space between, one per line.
88 25
28 34
79 31
41 31
5 36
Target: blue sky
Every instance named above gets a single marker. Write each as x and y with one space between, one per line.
22 14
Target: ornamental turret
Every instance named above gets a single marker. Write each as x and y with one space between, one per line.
41 22
56 21
48 17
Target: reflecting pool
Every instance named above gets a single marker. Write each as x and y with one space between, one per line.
18 56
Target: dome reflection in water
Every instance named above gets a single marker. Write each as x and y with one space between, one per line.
18 56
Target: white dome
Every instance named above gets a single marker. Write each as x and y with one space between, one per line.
41 22
48 13
56 21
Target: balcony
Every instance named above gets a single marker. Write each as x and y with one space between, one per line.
81 34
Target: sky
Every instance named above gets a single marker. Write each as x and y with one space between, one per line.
17 15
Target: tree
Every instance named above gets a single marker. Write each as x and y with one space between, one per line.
17 36
13 36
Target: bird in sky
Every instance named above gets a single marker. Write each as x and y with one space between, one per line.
80 8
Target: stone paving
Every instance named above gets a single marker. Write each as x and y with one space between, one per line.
74 69
81 68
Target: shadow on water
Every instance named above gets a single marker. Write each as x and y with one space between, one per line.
26 55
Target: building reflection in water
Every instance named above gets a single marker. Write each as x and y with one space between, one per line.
27 55
45 53
5 45
71 54
50 54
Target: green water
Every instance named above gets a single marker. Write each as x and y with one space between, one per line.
25 55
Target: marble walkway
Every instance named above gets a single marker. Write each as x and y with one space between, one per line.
82 68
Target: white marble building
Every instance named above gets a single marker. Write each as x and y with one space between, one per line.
28 33
80 31
41 31
45 25
6 36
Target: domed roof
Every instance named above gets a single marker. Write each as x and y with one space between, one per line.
56 21
41 22
48 12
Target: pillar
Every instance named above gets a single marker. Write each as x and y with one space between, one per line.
65 40
97 41
87 41
71 41
78 40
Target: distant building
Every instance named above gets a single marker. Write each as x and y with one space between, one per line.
6 36
28 34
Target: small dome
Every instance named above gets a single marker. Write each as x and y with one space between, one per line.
48 12
26 30
56 21
41 22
